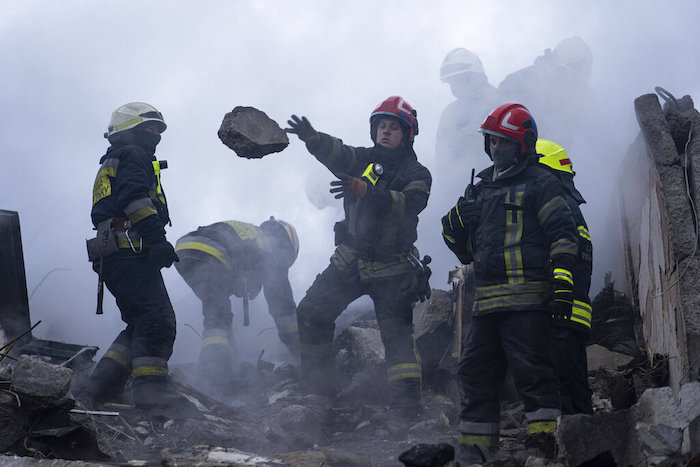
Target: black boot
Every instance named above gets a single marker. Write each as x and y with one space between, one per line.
156 398
106 383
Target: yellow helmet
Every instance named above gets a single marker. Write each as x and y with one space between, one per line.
554 156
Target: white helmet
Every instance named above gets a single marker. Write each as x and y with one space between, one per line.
131 115
460 61
574 53
285 233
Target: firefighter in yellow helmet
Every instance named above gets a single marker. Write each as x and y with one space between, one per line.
128 205
237 258
569 335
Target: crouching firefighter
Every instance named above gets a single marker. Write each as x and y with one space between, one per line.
129 212
237 258
383 188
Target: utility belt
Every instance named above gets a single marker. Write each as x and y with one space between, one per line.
371 252
113 234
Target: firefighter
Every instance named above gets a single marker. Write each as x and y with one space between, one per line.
517 229
237 258
383 187
569 336
129 205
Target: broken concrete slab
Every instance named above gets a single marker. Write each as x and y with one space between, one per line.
41 382
19 461
600 357
251 133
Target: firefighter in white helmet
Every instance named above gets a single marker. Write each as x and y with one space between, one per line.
462 70
129 211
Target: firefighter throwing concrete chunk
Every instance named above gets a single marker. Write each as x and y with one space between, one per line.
383 188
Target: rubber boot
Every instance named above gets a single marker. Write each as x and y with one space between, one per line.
106 383
155 397
216 369
467 455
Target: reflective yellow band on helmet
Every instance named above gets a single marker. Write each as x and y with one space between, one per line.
541 427
205 248
564 275
131 122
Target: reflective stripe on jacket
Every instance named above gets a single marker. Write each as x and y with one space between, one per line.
525 230
386 218
126 185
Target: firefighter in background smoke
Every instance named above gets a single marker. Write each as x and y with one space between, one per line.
516 227
569 335
456 139
129 206
236 258
383 187
474 98
559 76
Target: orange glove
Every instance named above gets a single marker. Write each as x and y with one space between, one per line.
348 185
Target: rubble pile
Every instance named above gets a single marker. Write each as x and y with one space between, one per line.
268 420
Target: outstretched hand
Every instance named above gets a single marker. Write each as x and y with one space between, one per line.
347 185
303 129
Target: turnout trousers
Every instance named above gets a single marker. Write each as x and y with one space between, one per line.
144 347
569 356
519 339
328 296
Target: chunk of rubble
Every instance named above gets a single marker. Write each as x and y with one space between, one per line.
40 382
251 133
205 456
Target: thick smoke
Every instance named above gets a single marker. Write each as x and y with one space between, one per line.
196 64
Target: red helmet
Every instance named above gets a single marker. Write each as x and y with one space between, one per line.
395 106
514 122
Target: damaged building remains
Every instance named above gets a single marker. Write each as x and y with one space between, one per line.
643 358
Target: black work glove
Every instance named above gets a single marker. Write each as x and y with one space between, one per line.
303 129
562 300
464 214
347 185
162 254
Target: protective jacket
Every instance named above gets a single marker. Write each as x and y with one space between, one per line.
371 259
127 186
524 230
582 271
382 225
243 251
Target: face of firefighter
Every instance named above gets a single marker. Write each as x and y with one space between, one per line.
148 135
389 133
503 152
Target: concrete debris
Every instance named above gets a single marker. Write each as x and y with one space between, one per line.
428 455
251 133
599 357
204 456
40 382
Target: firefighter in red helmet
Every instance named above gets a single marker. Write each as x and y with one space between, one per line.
516 227
383 188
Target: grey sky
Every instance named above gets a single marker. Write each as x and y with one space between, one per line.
67 65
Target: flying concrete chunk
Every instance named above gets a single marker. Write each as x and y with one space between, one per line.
251 133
